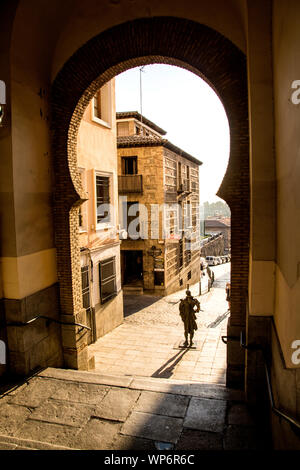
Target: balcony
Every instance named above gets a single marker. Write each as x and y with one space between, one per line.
130 184
183 186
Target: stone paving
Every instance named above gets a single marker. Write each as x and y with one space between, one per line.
145 392
64 409
147 343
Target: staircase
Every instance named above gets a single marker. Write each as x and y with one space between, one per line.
133 289
68 409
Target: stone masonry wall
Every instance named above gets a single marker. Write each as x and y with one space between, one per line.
214 247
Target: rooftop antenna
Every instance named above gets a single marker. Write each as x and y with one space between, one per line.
141 92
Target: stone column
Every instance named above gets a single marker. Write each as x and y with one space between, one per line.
263 186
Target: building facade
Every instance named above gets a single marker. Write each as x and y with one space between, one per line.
98 216
159 203
213 246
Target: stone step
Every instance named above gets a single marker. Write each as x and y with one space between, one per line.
177 387
133 290
16 443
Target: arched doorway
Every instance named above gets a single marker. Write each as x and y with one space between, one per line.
153 40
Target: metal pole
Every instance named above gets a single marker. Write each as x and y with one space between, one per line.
141 93
141 105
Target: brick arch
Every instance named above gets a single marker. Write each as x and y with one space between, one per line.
169 40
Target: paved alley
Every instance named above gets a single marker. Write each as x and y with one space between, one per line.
147 343
145 393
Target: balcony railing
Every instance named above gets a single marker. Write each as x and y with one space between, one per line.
183 186
130 184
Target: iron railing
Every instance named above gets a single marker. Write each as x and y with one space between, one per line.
258 347
48 319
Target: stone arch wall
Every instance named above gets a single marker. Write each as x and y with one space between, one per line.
151 40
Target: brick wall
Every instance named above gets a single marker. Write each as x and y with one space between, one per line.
149 40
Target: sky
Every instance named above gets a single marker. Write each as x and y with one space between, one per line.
188 109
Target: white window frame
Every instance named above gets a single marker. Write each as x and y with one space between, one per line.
106 106
112 223
188 215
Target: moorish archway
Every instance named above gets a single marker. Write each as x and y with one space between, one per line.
173 41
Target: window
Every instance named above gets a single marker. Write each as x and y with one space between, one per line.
129 165
97 104
179 181
122 129
102 106
131 215
180 254
187 183
107 278
85 285
103 199
188 257
187 215
171 221
82 212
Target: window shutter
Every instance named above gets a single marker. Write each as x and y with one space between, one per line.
85 284
107 277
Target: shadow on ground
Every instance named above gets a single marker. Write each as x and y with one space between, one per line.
133 304
167 369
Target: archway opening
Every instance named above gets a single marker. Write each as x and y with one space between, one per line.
151 172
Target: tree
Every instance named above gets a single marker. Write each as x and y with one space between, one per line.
214 209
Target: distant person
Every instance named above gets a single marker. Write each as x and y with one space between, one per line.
188 316
211 274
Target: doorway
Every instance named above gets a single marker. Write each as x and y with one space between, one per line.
132 267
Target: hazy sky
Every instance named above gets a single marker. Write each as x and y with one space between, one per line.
188 109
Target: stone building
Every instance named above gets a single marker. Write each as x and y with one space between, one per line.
159 185
98 237
222 225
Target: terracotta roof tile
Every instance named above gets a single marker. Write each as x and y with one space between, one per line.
151 141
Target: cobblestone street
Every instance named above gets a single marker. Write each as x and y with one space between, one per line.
147 343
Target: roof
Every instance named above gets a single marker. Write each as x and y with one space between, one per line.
217 223
151 141
97 243
139 117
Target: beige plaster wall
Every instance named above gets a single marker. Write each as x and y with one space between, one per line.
109 315
262 161
97 151
286 62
